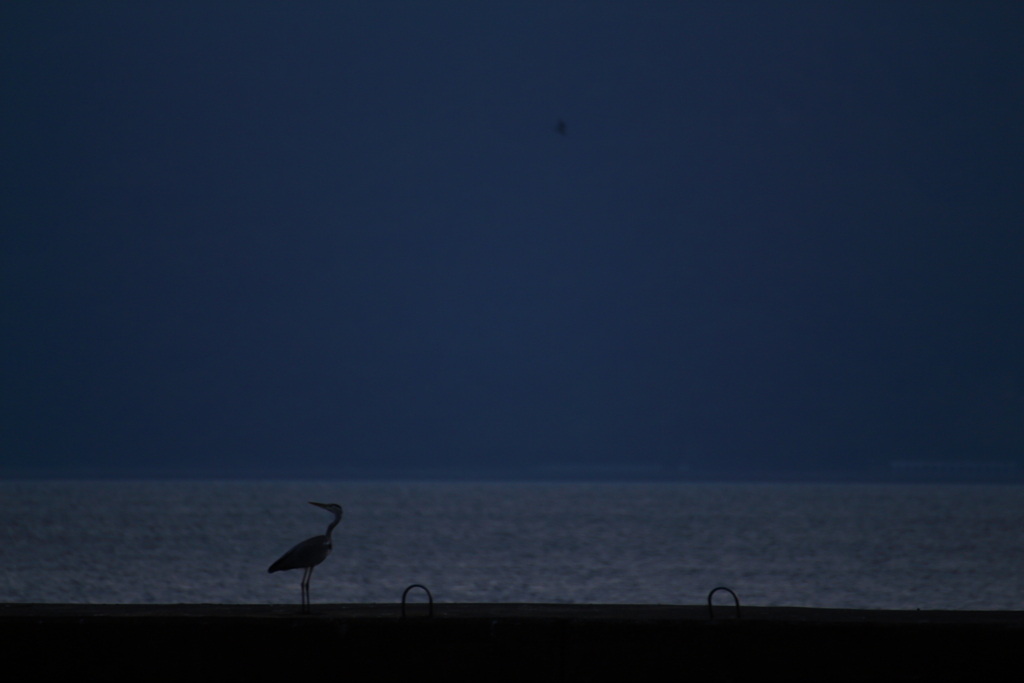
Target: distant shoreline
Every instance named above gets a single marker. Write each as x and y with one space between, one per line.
896 472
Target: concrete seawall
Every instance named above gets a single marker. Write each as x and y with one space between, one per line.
505 642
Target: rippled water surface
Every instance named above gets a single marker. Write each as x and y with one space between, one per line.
932 547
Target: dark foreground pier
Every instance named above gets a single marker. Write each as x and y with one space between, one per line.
505 642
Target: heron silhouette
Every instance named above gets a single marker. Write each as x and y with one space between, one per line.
309 553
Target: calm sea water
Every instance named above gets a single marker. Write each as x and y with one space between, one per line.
928 547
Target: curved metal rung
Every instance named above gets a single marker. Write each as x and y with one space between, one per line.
429 597
711 611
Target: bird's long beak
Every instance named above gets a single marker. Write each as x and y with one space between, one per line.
320 505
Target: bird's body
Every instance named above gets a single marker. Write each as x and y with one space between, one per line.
309 553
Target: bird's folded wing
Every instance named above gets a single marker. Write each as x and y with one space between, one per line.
305 554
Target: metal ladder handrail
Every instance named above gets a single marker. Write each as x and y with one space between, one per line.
711 610
429 597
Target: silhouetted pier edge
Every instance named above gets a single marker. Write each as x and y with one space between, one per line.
505 642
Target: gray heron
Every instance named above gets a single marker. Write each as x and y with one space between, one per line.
309 553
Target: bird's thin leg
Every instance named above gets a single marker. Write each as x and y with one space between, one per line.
309 601
305 578
309 575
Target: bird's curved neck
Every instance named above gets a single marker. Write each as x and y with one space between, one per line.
330 527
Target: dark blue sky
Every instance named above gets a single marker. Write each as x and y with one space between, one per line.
281 237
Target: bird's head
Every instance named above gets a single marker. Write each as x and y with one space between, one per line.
330 507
